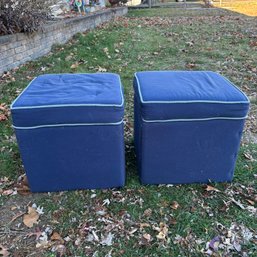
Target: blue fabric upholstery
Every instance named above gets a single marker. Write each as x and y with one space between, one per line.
188 126
183 94
70 132
69 98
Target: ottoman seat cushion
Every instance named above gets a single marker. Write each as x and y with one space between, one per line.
188 95
69 129
188 126
68 98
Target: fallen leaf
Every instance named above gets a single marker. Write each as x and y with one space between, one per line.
7 192
174 205
3 107
144 225
248 156
3 117
190 65
147 237
23 190
3 180
38 209
92 196
250 201
4 251
163 231
89 238
68 58
133 231
238 203
253 43
43 240
95 236
106 50
106 202
31 217
56 237
100 69
148 212
23 186
74 65
178 239
107 240
78 241
161 235
190 43
214 243
36 233
211 188
101 212
60 250
237 246
173 221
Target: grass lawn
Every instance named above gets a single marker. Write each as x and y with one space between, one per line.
140 220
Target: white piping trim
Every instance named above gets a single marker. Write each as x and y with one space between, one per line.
190 101
69 125
201 119
67 105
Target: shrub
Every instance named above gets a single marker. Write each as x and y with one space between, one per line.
22 15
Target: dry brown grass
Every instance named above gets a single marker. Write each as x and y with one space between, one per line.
248 7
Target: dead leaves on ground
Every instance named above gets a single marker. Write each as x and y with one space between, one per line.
163 231
6 187
37 233
31 217
237 194
4 112
101 69
10 188
4 251
47 238
211 188
147 237
190 65
229 240
56 237
106 228
174 205
8 76
77 63
253 43
248 156
23 185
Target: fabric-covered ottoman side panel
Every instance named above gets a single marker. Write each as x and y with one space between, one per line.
138 132
190 151
75 157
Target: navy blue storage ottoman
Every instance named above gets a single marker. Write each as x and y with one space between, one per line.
188 126
69 129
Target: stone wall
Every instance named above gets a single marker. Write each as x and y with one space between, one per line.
19 48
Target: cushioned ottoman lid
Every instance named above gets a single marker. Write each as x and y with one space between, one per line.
165 95
70 99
